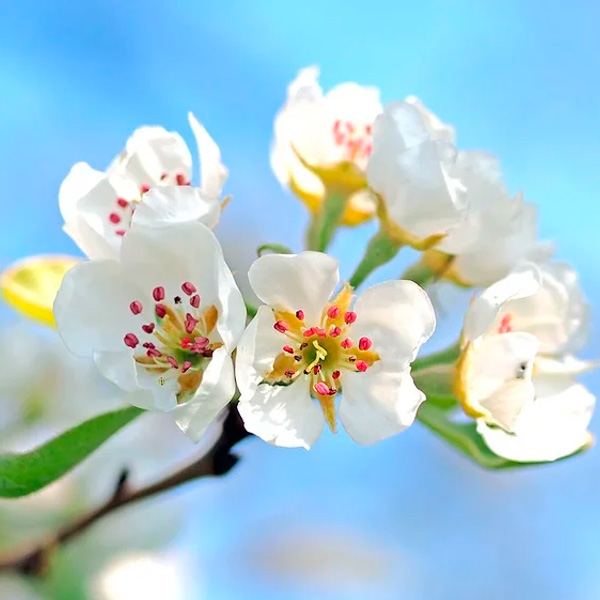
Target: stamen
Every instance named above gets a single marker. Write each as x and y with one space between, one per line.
316 369
195 301
177 299
188 288
131 340
349 317
173 362
364 343
281 326
333 312
148 328
335 331
122 202
120 232
336 374
361 366
136 307
158 293
300 315
161 311
321 388
347 343
181 179
185 367
114 218
288 349
505 324
289 373
308 332
190 323
153 353
144 188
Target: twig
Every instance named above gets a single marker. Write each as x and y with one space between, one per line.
216 462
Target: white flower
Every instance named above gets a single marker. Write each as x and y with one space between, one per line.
413 169
329 132
499 230
303 348
152 176
528 323
161 322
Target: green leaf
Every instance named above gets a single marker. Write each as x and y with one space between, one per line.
23 474
446 356
273 247
464 437
436 382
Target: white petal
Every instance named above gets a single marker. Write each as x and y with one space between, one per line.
558 315
151 153
177 204
564 365
413 171
170 256
397 316
498 375
439 130
295 281
216 390
87 198
378 403
91 308
256 351
283 415
523 281
213 172
553 426
284 161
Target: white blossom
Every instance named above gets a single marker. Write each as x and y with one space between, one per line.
152 177
325 131
161 322
516 371
413 170
305 347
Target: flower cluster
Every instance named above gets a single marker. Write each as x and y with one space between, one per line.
158 311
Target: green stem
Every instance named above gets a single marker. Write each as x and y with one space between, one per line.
420 273
445 356
380 250
324 225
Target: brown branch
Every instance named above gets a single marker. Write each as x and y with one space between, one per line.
216 462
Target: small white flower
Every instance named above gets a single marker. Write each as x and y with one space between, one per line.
330 132
304 348
528 323
499 230
413 169
152 176
161 322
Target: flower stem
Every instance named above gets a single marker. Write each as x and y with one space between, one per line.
446 356
380 250
218 461
324 224
420 273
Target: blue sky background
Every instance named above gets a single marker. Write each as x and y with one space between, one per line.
408 518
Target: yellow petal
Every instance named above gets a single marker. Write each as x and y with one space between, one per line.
30 285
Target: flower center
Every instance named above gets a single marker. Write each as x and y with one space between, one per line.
175 343
356 140
122 213
321 354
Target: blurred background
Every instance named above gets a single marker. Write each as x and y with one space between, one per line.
408 518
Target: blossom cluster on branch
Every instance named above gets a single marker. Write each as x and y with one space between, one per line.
155 305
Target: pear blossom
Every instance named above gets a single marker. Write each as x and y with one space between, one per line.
413 170
499 230
160 322
149 183
516 371
326 139
306 347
